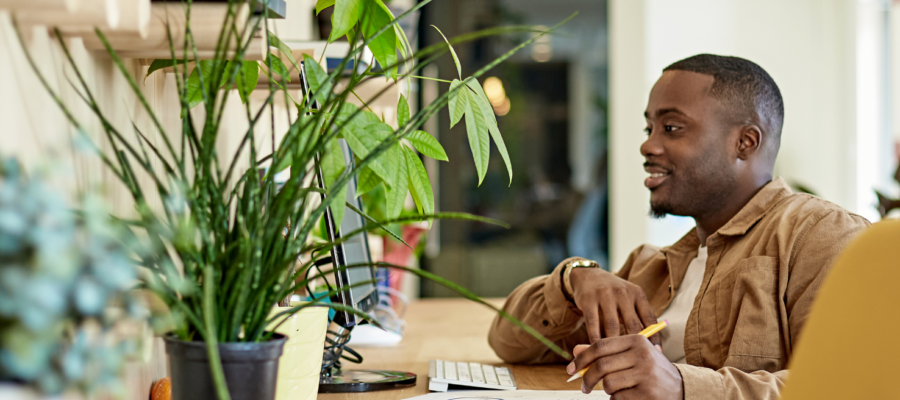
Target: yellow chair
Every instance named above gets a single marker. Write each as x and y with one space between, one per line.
849 348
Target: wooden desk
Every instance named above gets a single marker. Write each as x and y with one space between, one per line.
448 329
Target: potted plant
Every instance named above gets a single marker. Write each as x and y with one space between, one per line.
224 247
68 319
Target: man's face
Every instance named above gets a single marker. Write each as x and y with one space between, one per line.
687 151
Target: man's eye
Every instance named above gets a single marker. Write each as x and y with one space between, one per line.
647 130
670 128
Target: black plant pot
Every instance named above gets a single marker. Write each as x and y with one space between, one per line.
251 369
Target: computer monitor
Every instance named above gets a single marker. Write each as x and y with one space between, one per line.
355 285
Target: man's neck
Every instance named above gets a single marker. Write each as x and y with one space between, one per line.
710 223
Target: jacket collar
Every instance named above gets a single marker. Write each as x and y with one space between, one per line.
758 206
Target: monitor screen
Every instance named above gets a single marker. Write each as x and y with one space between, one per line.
355 284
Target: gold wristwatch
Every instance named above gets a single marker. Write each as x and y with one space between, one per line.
567 280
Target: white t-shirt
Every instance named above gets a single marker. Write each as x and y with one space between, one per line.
678 311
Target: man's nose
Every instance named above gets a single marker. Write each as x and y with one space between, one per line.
651 146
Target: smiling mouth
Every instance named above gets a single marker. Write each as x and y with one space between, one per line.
655 179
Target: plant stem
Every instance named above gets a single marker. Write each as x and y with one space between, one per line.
212 343
430 79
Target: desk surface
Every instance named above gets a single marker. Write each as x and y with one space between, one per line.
448 329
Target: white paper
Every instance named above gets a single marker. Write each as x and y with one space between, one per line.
514 395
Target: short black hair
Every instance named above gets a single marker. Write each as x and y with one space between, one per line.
743 86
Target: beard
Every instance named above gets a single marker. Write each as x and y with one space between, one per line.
696 190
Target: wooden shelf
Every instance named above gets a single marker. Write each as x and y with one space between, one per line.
69 6
65 14
206 23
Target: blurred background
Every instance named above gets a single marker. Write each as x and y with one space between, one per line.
572 119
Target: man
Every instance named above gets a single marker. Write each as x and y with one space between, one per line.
736 289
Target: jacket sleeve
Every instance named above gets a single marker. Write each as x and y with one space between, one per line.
817 248
541 304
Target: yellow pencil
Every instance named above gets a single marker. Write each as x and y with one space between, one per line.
647 332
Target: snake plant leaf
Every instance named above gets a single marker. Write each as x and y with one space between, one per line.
485 105
402 111
363 139
157 65
332 168
323 4
317 77
396 196
427 145
383 46
419 185
367 181
246 80
477 131
274 41
457 103
452 53
278 67
346 15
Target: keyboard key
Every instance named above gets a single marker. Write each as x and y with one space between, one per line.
438 366
463 372
489 375
502 371
450 370
477 375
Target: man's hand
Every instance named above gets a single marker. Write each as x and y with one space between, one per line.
606 299
630 367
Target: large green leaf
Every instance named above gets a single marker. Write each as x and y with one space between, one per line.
402 111
363 139
477 131
366 181
323 4
346 15
193 89
485 105
458 102
361 119
278 67
247 79
427 145
384 46
274 41
396 196
317 77
452 53
160 64
332 168
419 185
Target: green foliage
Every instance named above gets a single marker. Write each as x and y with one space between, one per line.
427 145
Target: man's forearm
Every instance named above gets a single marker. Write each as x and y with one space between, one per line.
541 304
730 383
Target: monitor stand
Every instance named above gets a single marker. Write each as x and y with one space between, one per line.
333 379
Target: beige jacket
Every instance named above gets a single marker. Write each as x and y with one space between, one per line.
763 270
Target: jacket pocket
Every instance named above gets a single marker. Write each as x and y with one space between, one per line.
748 315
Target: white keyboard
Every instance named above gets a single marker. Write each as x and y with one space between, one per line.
442 374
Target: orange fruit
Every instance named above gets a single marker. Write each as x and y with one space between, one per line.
162 389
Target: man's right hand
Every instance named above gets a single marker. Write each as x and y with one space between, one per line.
608 302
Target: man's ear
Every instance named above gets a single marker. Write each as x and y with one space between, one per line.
749 141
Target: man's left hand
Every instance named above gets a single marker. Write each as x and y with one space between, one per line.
630 367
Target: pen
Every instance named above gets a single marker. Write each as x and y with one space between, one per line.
647 332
